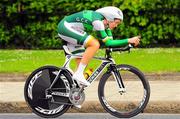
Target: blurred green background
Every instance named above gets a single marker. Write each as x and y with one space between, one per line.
32 24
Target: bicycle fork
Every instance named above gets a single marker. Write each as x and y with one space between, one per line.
117 77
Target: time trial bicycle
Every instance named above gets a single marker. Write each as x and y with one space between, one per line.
123 90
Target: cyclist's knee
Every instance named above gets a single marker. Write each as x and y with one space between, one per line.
94 43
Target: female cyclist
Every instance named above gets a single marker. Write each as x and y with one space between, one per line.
74 29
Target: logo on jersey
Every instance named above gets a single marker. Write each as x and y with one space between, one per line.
83 20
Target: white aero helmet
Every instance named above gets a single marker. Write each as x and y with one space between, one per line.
110 13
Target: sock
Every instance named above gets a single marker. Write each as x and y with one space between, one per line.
81 68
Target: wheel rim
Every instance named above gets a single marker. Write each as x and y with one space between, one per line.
36 98
128 102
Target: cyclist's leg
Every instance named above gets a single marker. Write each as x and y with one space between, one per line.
68 33
77 60
78 50
92 45
73 37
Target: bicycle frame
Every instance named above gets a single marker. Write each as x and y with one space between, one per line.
105 62
97 72
108 60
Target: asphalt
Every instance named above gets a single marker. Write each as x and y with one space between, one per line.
88 116
165 98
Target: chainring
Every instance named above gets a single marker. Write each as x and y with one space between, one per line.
76 97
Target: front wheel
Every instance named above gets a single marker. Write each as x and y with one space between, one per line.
130 102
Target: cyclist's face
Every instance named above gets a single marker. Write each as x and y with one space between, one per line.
114 24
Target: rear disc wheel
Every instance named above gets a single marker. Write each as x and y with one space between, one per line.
35 92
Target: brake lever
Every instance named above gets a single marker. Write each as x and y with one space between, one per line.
130 46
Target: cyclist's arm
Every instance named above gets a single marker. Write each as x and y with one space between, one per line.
106 35
109 42
116 43
107 39
109 32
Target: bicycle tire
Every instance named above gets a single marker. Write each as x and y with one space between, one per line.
111 110
37 93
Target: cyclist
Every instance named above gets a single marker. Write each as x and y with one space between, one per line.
74 29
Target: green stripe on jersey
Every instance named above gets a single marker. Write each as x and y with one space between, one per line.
87 14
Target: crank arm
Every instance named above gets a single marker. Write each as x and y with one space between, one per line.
62 103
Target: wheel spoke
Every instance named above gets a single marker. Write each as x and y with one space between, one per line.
132 101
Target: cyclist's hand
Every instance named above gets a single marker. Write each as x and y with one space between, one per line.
134 40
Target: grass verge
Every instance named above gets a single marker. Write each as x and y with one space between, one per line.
157 60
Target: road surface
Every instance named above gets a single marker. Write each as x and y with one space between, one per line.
88 116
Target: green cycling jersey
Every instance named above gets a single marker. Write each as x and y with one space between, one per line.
77 25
